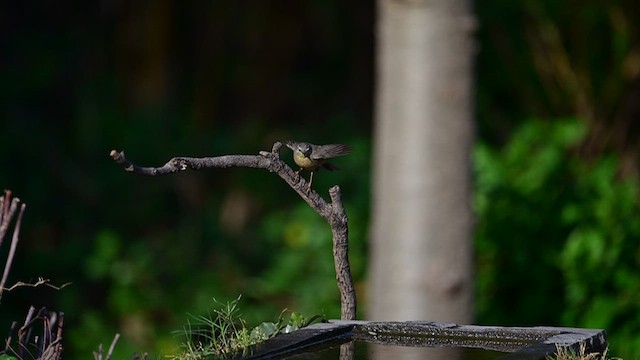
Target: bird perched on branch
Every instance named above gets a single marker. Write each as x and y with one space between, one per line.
310 157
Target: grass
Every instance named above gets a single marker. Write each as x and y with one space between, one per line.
566 353
223 334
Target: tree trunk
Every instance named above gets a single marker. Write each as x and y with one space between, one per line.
421 264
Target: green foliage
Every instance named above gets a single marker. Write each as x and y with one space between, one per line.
519 190
602 254
224 334
303 267
557 238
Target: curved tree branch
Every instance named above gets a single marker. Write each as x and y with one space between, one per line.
333 212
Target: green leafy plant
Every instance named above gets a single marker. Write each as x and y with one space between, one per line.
223 334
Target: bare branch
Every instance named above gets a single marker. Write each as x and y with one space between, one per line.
340 230
333 213
39 282
178 164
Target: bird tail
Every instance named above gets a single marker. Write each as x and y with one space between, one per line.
330 167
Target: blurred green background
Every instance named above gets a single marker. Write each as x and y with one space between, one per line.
556 197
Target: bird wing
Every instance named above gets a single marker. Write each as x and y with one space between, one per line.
289 144
329 151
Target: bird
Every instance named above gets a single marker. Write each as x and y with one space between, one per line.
310 157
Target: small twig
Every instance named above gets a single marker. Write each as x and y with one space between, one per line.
46 334
12 249
12 330
2 210
39 282
8 210
333 213
98 355
113 346
58 342
24 333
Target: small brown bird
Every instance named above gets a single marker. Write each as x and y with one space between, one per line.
310 157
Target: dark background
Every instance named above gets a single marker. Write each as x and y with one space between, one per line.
556 161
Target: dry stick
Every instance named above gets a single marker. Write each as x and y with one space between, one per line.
7 213
24 333
58 341
4 205
40 281
113 346
12 249
98 355
2 211
333 213
46 334
12 331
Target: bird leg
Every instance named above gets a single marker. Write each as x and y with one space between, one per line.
310 180
310 177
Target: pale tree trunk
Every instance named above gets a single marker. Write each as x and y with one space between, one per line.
421 251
